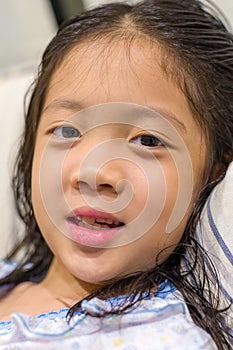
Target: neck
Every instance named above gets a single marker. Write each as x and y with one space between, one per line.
64 286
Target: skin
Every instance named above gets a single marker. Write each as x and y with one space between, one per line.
116 76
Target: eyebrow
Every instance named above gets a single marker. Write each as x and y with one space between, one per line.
75 106
170 116
71 105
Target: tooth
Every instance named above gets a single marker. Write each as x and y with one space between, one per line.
100 220
108 221
88 220
104 226
104 221
96 225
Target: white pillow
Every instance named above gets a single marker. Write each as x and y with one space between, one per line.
215 233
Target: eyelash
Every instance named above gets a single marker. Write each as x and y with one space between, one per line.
150 141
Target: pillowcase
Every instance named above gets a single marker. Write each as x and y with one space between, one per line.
215 233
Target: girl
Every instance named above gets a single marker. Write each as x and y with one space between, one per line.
128 129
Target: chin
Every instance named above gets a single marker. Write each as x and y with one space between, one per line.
92 272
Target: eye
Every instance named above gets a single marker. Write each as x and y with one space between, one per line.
66 132
147 141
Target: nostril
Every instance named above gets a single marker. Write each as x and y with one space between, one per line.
106 189
105 186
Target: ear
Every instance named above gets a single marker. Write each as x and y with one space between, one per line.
218 169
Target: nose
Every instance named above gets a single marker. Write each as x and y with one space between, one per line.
103 173
96 170
106 178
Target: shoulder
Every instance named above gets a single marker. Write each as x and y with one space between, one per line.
161 321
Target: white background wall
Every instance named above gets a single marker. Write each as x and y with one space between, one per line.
227 7
26 26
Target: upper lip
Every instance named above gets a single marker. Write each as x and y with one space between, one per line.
93 213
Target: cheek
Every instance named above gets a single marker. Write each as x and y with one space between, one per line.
163 190
140 191
155 189
35 182
44 188
37 201
159 241
171 178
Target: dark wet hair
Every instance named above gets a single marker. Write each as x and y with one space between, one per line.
197 53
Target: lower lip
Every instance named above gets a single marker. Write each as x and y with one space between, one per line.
92 238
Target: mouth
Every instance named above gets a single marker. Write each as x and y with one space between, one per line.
92 223
93 228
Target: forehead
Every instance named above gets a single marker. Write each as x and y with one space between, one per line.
109 63
115 71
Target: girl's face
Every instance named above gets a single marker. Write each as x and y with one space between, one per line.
118 162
